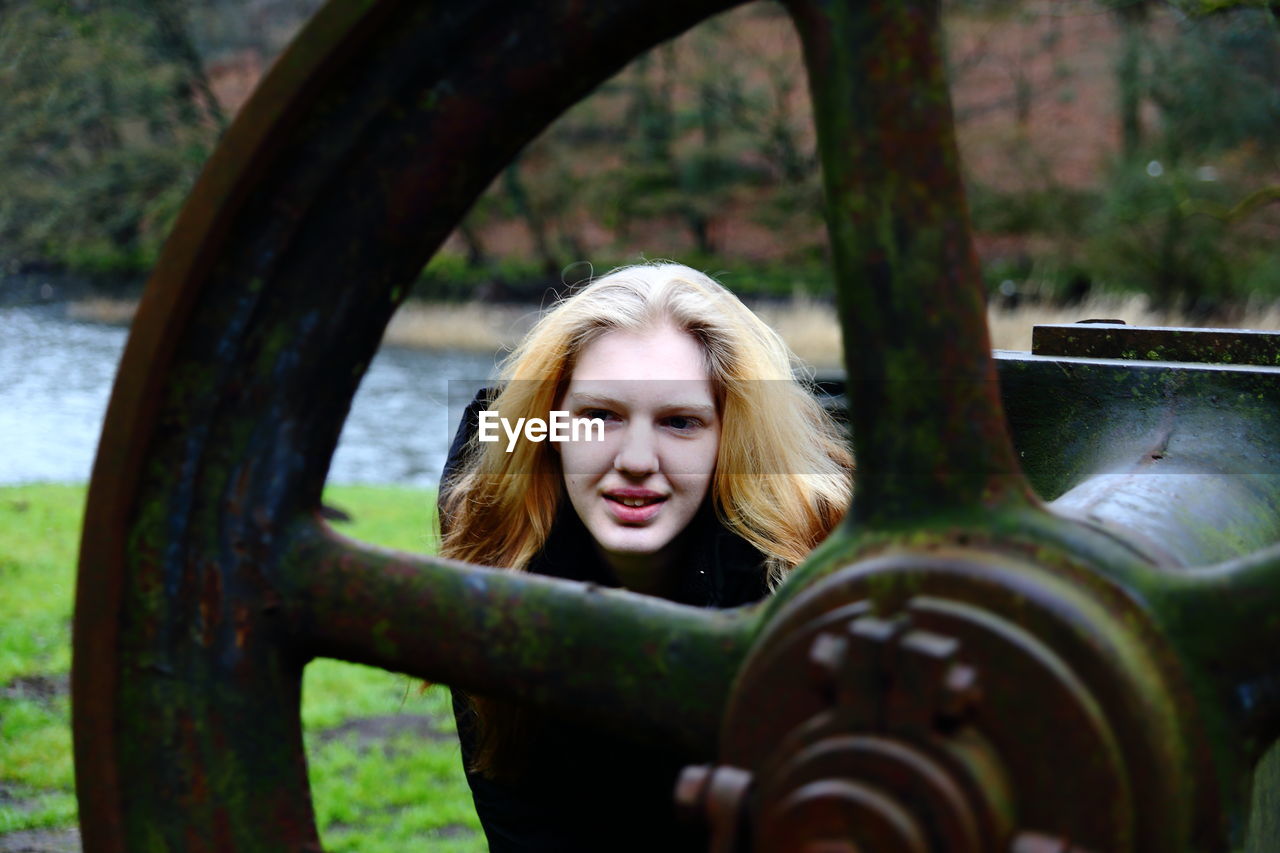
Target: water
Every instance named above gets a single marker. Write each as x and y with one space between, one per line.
56 376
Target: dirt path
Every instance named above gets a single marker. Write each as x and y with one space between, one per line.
41 841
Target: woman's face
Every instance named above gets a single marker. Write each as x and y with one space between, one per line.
637 490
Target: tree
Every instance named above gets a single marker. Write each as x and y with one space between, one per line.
1172 221
100 136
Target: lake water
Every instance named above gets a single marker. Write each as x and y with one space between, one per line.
56 376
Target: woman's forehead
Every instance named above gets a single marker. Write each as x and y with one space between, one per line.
663 353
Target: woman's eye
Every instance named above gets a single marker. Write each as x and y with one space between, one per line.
603 414
683 423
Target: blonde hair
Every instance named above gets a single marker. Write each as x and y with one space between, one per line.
783 470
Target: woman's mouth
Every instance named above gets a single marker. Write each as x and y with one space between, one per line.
634 507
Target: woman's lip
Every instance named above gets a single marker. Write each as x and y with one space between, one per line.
643 494
633 514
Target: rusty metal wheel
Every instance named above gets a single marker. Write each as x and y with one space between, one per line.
207 580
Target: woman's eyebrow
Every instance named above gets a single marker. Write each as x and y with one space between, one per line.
579 398
703 409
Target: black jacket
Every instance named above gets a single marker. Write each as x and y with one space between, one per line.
586 791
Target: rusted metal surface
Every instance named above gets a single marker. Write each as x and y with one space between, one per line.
1104 340
1182 464
1040 702
928 430
1183 459
361 150
960 667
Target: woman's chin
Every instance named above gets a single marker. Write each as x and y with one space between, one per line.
632 543
635 544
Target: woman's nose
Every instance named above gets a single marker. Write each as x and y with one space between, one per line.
638 453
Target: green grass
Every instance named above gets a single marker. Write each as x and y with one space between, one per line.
385 772
39 535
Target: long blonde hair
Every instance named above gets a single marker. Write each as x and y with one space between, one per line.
783 470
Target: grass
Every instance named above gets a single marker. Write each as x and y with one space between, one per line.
38 538
385 772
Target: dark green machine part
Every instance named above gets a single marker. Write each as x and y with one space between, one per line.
960 667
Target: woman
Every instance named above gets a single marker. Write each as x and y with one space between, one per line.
713 474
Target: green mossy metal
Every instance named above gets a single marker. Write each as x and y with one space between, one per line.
1082 423
640 665
1211 346
928 430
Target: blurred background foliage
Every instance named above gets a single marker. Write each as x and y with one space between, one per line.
1110 145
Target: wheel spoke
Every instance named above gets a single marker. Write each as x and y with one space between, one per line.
928 428
655 669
